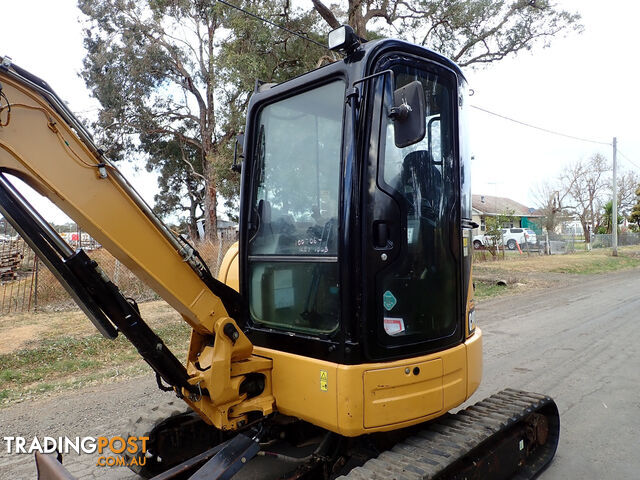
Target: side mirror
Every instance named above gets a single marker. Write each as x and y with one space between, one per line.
408 114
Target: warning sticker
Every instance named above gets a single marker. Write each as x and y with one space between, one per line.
324 380
393 326
389 300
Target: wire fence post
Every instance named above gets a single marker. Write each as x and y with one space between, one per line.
614 206
35 287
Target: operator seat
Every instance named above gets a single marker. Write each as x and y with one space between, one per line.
421 184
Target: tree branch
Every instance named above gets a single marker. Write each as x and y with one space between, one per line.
326 13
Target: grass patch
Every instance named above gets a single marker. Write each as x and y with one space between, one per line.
486 290
9 376
69 362
600 265
593 262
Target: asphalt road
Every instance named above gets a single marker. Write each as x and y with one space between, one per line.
576 342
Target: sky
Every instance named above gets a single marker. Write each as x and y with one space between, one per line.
578 86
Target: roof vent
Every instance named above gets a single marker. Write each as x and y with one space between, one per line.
481 198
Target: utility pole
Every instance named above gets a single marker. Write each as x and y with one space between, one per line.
614 206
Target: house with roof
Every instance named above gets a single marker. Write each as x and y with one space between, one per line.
490 206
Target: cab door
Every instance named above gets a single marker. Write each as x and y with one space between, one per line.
411 232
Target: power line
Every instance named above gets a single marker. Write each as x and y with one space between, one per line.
546 130
627 159
304 37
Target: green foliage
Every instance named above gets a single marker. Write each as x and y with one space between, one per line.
175 76
484 290
467 31
494 226
180 178
607 218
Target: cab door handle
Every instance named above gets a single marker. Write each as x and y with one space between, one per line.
382 235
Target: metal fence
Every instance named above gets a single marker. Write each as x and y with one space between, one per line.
606 240
573 243
26 284
560 244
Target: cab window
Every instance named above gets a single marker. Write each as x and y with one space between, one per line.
293 252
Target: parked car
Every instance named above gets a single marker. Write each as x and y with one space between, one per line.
479 241
510 236
520 235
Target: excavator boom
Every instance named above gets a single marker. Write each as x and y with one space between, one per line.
45 146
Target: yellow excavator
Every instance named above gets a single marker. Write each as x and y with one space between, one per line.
341 328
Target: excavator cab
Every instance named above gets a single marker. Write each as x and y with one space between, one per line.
356 209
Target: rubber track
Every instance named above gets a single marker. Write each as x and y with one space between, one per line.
142 426
452 436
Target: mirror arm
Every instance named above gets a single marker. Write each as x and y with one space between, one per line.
235 166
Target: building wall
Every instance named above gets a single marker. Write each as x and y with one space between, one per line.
480 221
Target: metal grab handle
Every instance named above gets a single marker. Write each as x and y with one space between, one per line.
382 235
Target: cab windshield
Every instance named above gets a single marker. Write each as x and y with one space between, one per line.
293 253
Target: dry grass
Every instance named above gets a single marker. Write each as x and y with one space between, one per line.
27 330
58 348
59 351
53 297
595 261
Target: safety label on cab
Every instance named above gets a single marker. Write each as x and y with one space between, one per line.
393 326
389 300
324 380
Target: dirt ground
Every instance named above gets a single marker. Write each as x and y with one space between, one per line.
547 309
20 331
570 341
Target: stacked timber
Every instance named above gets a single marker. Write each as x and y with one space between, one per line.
9 263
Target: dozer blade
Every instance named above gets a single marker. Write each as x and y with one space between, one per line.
512 434
50 468
218 463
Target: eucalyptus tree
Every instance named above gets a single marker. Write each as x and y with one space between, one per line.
180 72
467 31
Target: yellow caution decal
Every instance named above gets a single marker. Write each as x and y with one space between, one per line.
324 380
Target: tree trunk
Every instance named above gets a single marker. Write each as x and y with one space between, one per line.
210 203
193 219
193 228
585 228
356 18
